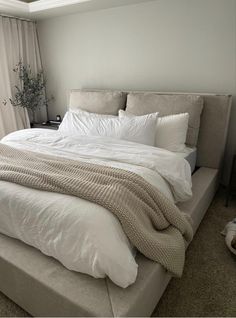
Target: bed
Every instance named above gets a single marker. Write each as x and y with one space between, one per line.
43 287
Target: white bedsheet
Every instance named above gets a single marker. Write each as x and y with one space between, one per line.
83 236
189 154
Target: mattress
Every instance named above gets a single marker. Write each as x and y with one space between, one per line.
189 154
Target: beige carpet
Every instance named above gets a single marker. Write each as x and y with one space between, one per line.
208 286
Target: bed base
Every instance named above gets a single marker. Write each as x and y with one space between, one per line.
43 287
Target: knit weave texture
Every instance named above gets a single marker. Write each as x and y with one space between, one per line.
154 225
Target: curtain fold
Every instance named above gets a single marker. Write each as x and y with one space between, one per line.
18 42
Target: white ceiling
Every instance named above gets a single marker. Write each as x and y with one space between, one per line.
42 9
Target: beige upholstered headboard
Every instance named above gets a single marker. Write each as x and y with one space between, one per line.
214 118
213 130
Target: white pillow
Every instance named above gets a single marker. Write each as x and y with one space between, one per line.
85 113
171 131
135 129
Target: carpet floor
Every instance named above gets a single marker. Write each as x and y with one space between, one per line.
208 285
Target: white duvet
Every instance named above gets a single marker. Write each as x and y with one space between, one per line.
83 236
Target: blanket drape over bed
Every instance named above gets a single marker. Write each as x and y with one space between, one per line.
152 223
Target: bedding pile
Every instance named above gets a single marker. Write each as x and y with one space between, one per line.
74 230
142 210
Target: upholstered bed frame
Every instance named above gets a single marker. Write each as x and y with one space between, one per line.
43 287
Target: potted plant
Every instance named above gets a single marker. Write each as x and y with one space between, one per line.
31 91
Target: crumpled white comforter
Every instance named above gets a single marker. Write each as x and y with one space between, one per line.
83 236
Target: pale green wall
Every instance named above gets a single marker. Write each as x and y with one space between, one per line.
164 45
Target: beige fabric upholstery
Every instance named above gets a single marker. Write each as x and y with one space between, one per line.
144 103
43 287
213 130
205 184
214 120
100 102
209 111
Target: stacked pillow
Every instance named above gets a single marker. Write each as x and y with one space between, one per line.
168 132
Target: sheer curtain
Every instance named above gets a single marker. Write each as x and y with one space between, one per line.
18 41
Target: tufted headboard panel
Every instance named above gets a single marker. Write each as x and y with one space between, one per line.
214 115
214 119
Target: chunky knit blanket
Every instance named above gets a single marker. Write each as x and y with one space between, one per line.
153 224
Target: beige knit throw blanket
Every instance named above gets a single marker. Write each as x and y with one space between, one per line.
154 225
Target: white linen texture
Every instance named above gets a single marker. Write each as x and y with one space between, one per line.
171 130
86 113
136 129
82 235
